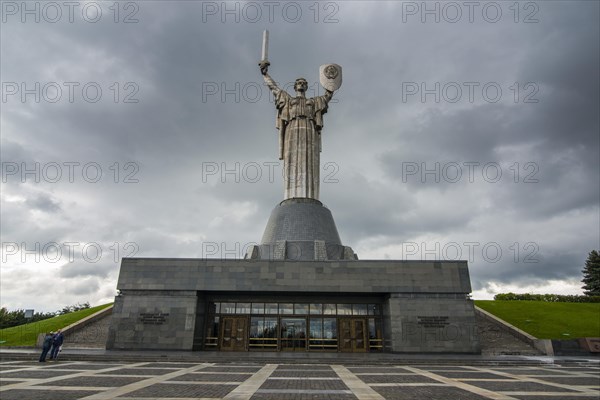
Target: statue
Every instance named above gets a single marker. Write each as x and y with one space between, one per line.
300 121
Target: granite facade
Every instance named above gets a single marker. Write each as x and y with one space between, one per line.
153 319
426 308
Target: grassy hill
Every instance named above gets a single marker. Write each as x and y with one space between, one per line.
26 335
546 320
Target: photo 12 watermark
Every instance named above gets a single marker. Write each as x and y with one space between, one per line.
469 171
71 12
69 92
66 252
490 252
69 171
469 92
471 251
254 12
254 172
251 92
453 12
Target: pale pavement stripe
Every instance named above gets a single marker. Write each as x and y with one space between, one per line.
72 388
202 383
384 373
452 382
552 371
303 391
302 378
111 394
34 381
583 396
251 385
40 367
360 389
397 384
532 379
171 398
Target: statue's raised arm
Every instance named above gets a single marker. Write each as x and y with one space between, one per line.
271 84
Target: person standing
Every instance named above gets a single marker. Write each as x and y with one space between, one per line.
48 339
57 341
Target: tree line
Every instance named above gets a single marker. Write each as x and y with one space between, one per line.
553 298
591 287
15 318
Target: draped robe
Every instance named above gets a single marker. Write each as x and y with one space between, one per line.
299 121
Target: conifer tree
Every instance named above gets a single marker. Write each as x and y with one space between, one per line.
591 274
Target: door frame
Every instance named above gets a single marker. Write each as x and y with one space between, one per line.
354 339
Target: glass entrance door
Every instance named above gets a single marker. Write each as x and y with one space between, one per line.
353 334
234 334
293 334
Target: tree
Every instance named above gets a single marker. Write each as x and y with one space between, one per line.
591 274
15 318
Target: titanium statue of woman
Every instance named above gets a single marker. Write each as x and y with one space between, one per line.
299 121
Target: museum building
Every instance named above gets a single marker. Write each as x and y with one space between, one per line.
300 289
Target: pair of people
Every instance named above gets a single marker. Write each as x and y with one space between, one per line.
52 343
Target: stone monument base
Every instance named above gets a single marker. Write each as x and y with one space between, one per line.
267 305
301 229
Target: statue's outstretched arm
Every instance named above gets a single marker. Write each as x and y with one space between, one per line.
271 84
264 70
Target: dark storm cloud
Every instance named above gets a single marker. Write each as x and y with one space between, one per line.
549 266
196 108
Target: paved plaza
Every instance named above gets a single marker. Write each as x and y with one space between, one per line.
96 380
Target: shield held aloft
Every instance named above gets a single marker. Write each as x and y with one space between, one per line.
330 76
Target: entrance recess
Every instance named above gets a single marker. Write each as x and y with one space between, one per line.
234 334
353 334
293 326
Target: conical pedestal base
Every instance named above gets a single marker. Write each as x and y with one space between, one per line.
301 229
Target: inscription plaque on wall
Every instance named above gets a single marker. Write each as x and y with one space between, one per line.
153 318
436 321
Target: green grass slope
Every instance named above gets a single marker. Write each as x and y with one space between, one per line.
26 335
546 320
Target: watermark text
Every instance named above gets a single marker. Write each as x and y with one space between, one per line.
471 92
254 172
69 171
252 12
54 252
452 12
71 92
455 172
53 12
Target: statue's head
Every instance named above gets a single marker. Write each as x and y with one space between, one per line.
301 85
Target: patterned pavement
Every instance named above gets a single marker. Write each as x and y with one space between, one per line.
65 380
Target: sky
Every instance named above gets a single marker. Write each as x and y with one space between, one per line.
462 131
